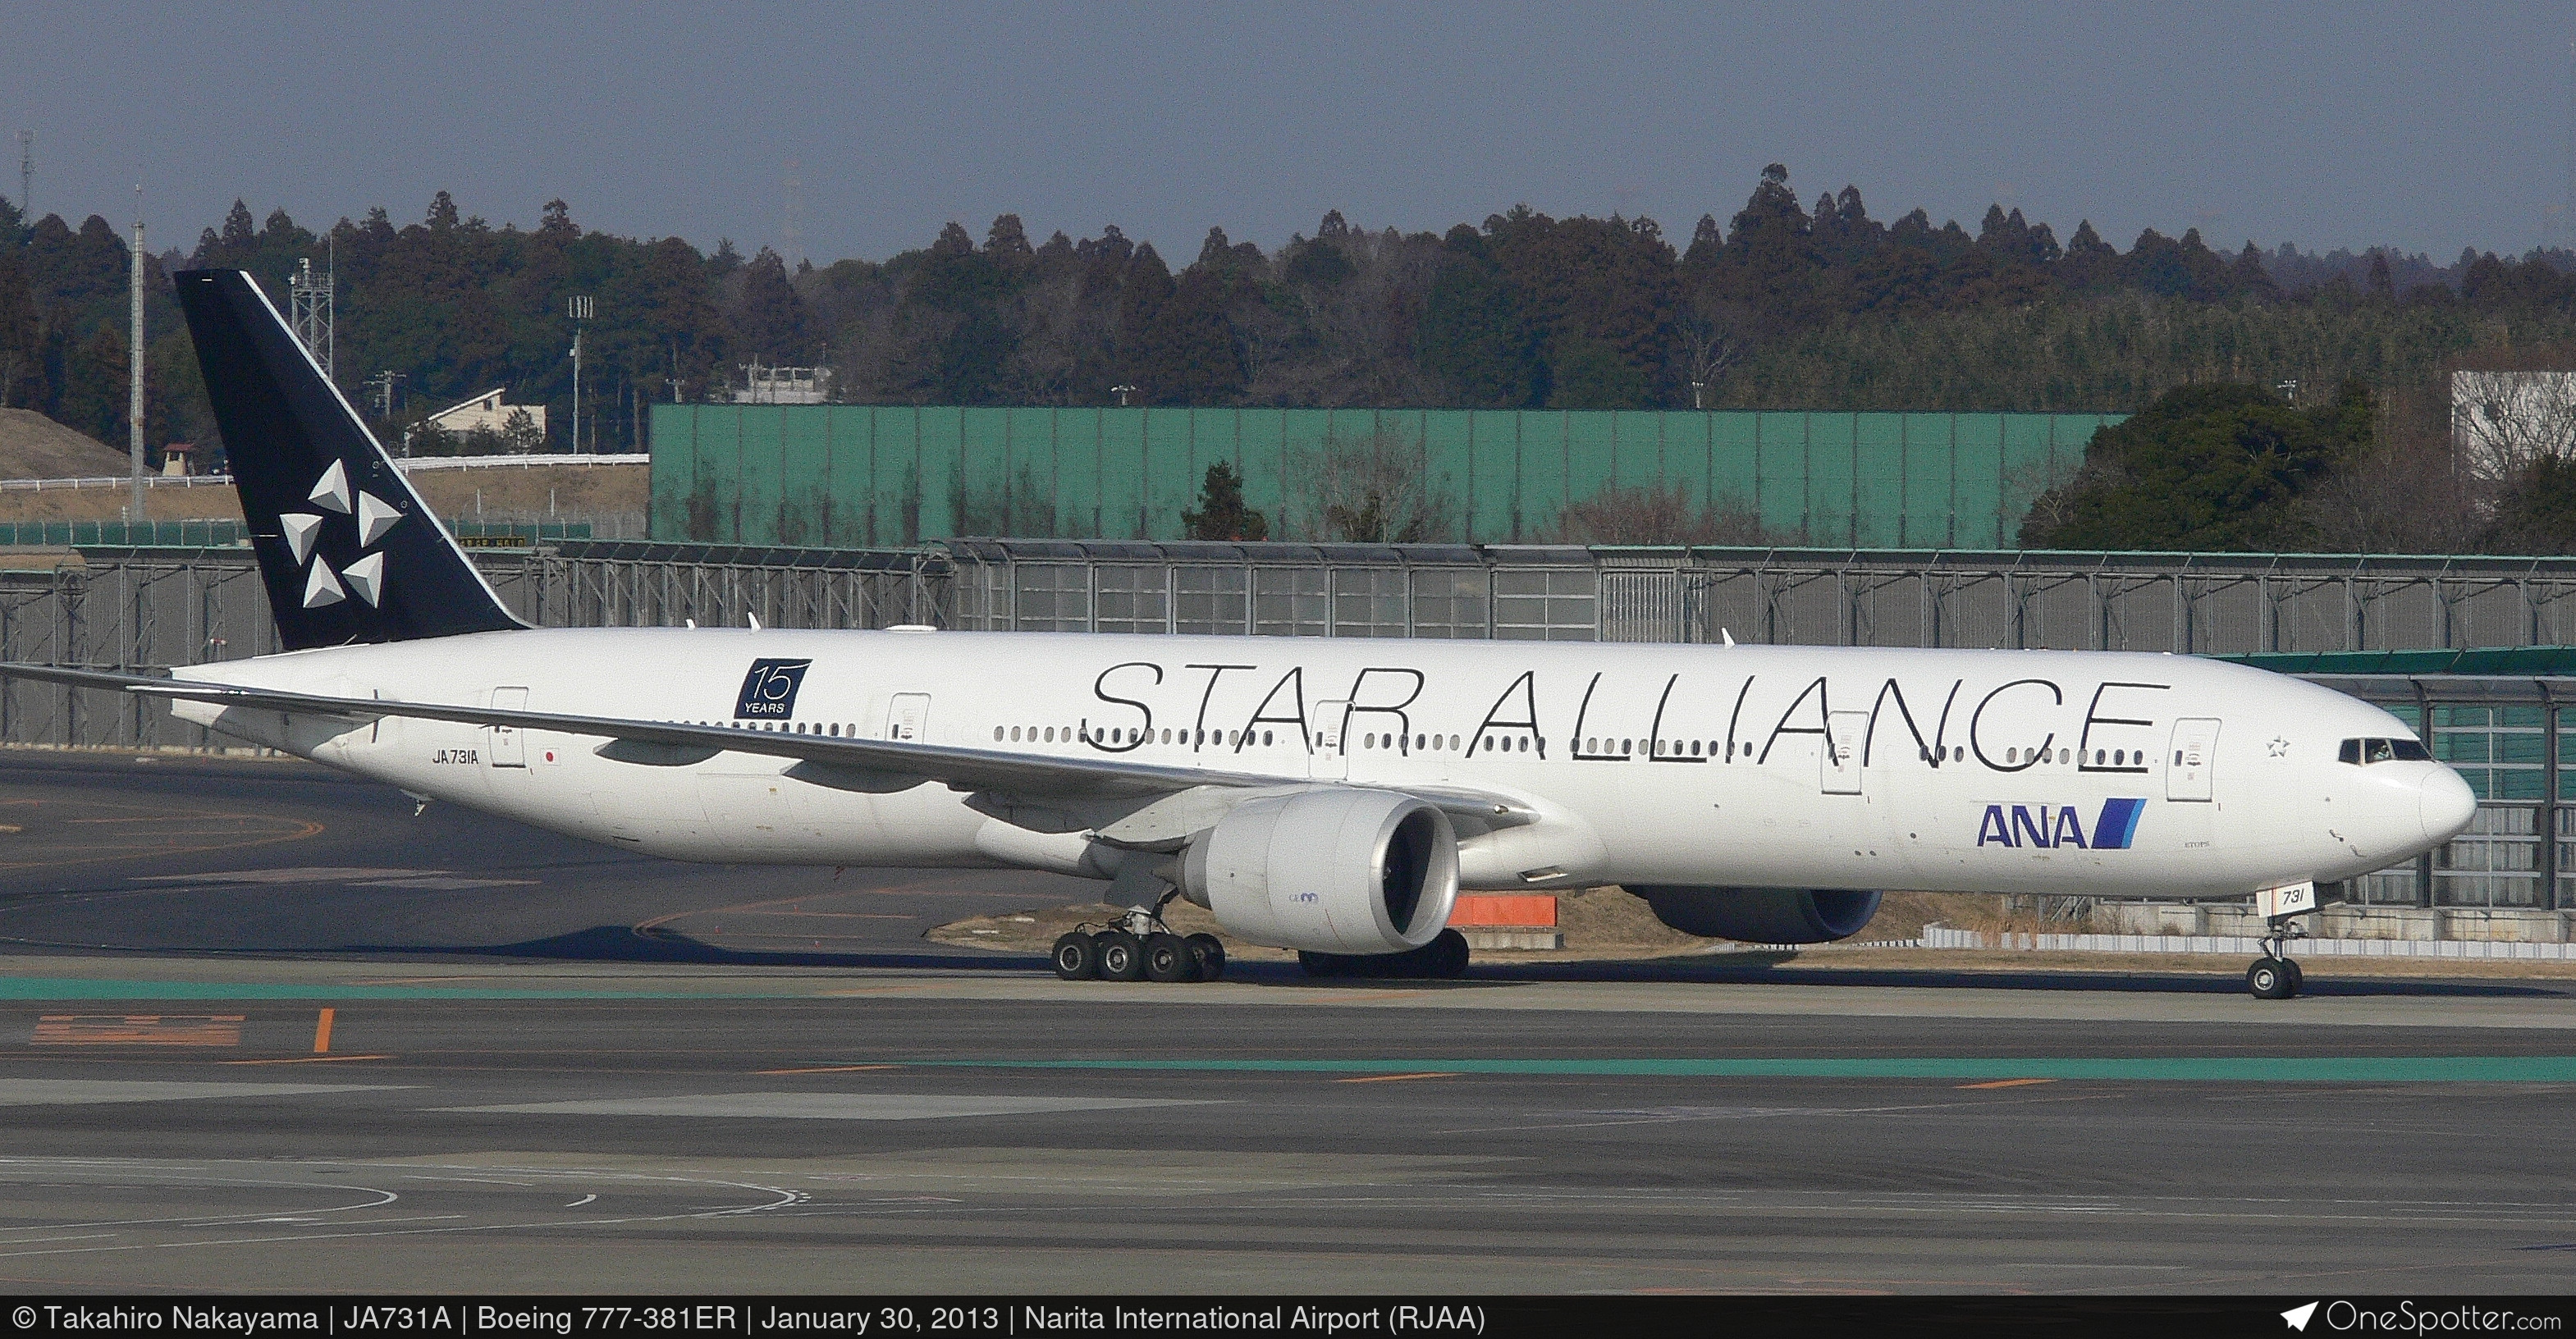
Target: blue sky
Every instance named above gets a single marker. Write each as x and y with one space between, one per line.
2325 124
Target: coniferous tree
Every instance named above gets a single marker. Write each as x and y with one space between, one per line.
1222 513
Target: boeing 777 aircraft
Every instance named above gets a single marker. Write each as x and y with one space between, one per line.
1328 796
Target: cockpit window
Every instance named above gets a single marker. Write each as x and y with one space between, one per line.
2364 752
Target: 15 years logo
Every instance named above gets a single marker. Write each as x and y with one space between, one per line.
769 690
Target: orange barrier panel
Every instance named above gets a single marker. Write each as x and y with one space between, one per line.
1487 910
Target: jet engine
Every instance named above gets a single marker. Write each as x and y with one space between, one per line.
1762 915
1329 871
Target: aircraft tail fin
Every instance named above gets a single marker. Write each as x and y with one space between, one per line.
347 550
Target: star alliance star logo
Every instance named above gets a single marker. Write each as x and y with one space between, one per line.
365 577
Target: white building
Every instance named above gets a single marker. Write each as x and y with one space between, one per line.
488 412
2502 421
784 385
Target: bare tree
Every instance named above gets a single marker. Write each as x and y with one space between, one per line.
2503 419
1716 334
1662 514
2407 494
1375 489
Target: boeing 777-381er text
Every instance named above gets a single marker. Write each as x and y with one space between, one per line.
1329 796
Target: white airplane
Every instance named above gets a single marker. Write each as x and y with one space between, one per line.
1328 796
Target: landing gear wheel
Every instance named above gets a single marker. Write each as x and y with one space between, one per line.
2267 979
1122 956
1077 957
1447 955
2298 978
1169 959
1210 952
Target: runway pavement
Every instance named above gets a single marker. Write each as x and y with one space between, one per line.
262 1029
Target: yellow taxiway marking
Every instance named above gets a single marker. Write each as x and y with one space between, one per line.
2006 1083
827 1069
1393 1078
306 1060
322 1033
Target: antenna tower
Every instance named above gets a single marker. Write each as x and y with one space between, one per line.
27 177
310 312
792 247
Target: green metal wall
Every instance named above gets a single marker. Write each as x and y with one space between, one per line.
859 475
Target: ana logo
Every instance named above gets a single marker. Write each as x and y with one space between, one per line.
2050 826
769 691
366 577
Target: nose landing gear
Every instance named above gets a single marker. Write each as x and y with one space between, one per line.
2276 975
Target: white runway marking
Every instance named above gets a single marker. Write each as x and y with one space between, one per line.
299 874
821 1106
63 1092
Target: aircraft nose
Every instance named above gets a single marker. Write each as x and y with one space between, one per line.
2447 804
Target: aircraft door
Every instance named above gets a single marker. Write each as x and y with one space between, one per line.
908 716
2188 765
1843 734
509 746
1325 758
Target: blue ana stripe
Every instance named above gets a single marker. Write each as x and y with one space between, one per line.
2119 823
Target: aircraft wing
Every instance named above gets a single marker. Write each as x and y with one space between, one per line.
859 764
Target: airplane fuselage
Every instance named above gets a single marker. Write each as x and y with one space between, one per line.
1754 766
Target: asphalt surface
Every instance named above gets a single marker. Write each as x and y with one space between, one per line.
261 1028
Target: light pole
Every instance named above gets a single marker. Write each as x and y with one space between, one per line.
1122 392
578 309
134 362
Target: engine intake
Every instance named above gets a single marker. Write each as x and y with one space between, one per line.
1762 915
1328 871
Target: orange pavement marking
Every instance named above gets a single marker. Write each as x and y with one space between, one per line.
306 1060
2006 1083
322 1033
1393 1078
137 1030
826 1069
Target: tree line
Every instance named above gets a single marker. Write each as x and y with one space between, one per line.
1783 305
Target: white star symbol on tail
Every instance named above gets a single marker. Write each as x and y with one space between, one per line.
333 490
375 517
367 577
322 588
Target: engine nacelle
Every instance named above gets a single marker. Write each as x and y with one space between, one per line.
1762 915
1330 871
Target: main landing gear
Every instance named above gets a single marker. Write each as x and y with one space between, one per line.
1445 958
1136 945
2276 975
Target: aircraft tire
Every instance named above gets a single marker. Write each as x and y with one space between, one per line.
1448 955
1169 959
2266 981
1210 952
2298 977
1077 957
1122 956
